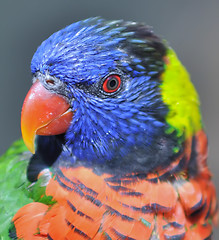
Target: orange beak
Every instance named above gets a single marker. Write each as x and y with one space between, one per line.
43 113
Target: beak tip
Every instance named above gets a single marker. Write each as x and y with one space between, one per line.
29 140
32 150
30 146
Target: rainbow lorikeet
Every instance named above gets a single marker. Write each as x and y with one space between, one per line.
119 150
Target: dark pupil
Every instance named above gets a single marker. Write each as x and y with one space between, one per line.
112 84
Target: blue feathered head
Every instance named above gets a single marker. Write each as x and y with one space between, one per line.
109 72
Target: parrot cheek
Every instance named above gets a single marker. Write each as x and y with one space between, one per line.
43 113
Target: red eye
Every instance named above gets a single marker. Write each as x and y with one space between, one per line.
112 83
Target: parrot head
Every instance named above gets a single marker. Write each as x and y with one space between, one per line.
108 93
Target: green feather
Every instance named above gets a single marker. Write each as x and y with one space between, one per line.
16 190
181 97
13 184
38 188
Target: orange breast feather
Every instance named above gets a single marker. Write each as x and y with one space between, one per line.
131 207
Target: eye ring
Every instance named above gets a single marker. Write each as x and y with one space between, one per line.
112 83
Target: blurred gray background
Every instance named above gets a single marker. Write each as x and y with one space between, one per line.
191 28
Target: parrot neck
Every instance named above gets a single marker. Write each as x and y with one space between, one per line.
161 169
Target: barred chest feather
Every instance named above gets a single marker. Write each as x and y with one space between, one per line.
172 203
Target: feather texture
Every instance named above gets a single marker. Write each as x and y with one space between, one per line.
89 206
132 163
